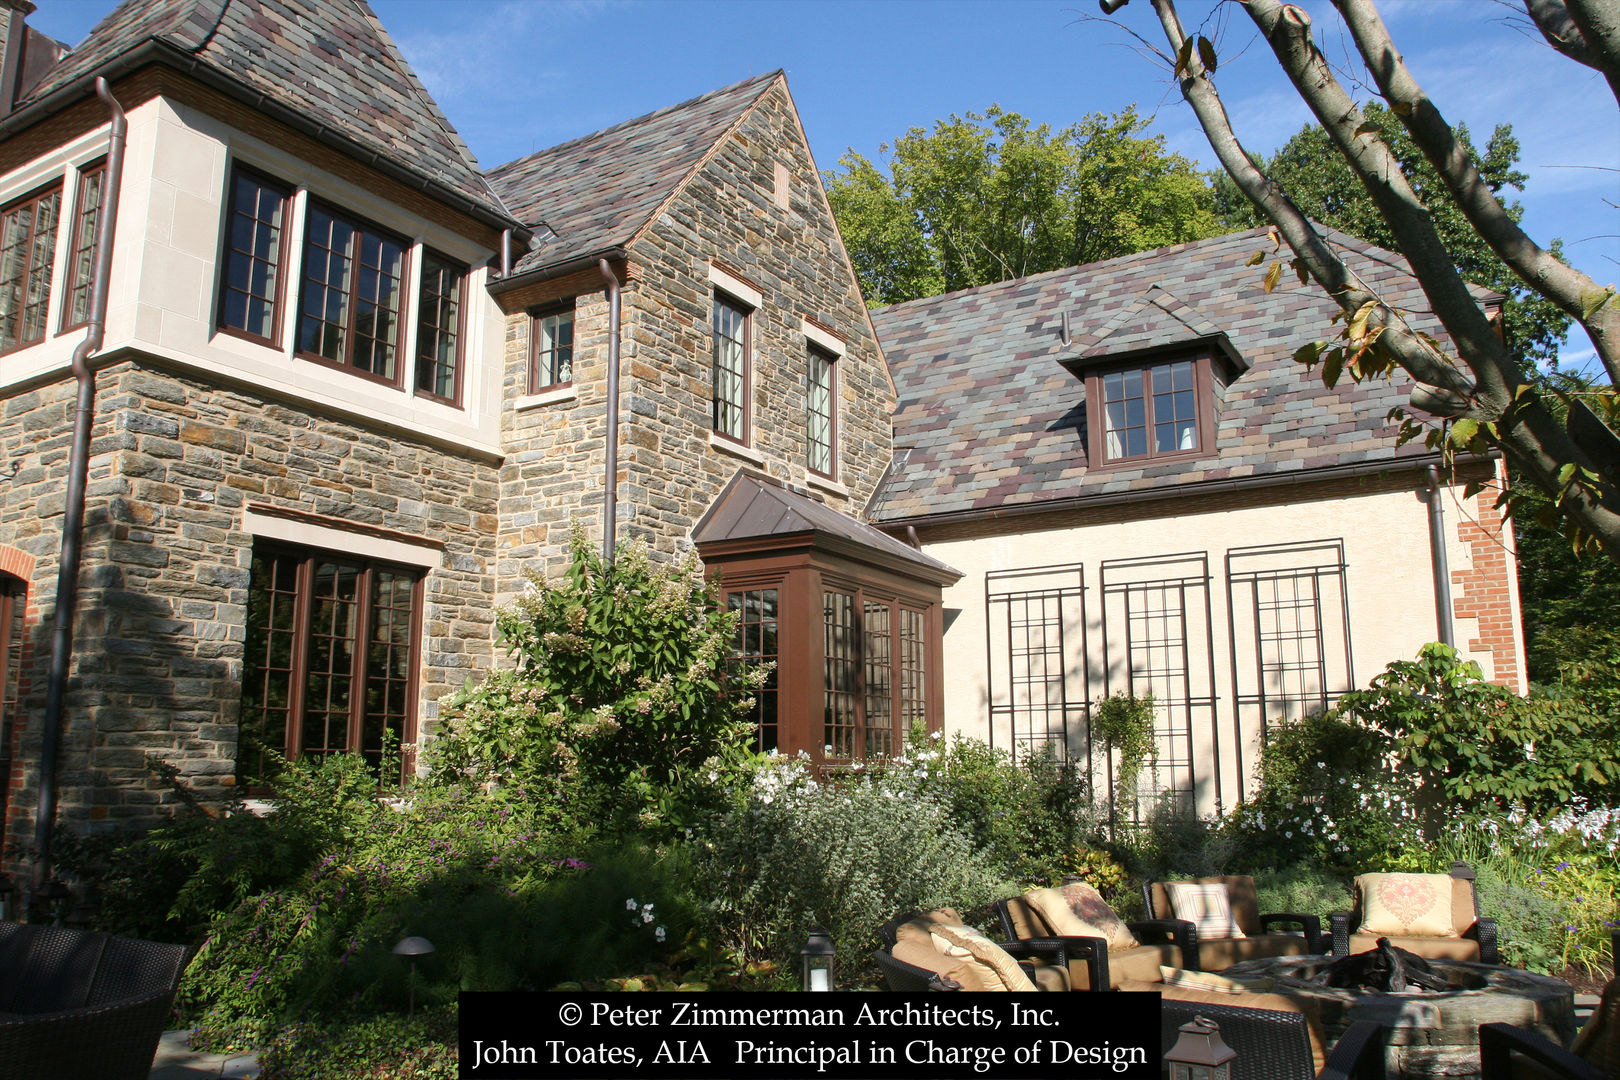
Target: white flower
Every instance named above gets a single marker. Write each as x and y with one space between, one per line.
630 904
659 933
646 914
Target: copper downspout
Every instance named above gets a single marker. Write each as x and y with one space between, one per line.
67 579
1442 570
610 495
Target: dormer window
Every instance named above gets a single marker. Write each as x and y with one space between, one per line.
1150 411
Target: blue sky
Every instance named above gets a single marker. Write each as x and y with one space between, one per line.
516 76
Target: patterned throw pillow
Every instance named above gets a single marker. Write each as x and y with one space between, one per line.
996 969
1078 910
1206 907
1215 984
1406 905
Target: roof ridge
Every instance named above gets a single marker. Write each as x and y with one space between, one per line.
623 124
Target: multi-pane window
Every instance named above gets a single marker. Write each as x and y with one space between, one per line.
878 655
551 352
755 643
1149 412
875 677
819 417
27 246
731 344
913 669
841 640
250 290
438 327
331 654
82 249
353 275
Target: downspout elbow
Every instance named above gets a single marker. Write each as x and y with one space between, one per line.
610 493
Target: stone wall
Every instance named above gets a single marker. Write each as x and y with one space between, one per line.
175 464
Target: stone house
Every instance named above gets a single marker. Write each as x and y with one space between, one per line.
352 386
1147 494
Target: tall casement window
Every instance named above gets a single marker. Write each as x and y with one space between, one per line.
875 679
255 252
439 328
13 603
82 249
349 314
331 656
733 327
755 643
27 247
820 417
1152 411
551 348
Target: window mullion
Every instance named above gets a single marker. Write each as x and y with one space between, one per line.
351 291
303 612
358 661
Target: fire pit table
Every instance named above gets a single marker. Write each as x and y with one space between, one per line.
1427 1033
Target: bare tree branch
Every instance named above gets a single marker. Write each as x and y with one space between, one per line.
1554 21
1562 284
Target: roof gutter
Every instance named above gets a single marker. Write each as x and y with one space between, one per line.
155 50
1205 487
67 580
563 269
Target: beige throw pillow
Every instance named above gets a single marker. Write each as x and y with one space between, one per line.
1206 907
1078 910
994 967
1215 984
1406 905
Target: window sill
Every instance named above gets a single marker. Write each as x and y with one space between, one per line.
737 449
546 397
821 483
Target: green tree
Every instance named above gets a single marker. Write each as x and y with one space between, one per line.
1326 189
989 197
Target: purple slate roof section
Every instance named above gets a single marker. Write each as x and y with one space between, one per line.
596 192
329 60
992 418
754 507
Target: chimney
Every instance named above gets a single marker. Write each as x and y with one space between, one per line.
25 53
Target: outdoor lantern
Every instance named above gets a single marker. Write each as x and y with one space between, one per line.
413 947
818 955
1199 1053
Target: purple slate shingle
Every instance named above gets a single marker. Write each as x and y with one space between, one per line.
329 60
596 192
991 415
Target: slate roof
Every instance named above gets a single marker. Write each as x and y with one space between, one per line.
991 416
328 60
753 507
597 192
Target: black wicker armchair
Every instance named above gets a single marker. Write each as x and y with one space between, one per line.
1275 1045
1162 942
1045 961
1275 934
1474 936
78 1005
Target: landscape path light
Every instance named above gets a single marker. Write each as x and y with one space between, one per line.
413 947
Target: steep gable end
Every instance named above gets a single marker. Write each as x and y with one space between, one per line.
329 61
599 191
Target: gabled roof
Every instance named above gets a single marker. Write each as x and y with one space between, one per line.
992 420
329 62
758 508
597 192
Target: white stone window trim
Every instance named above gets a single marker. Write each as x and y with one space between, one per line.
546 397
736 288
736 449
822 339
831 487
363 545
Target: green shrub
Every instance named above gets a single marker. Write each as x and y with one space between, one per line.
1302 890
791 854
420 1047
619 704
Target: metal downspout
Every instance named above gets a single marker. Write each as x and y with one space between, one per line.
610 495
1437 551
67 579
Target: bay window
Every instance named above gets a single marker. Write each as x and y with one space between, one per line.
353 275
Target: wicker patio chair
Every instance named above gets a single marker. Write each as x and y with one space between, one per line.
1046 962
1503 1048
78 1005
1160 943
1273 1045
1470 935
1275 934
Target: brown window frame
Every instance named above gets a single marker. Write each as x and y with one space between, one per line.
865 596
746 406
739 655
345 362
303 632
25 299
813 353
81 247
1203 404
283 250
538 315
458 363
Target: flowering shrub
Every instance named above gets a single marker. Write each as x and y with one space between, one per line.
420 1047
618 705
790 854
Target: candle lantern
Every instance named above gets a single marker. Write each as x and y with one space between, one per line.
817 955
1199 1053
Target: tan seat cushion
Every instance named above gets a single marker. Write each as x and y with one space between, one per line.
1215 955
1408 905
922 954
1078 910
1140 964
1430 948
1215 984
963 948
